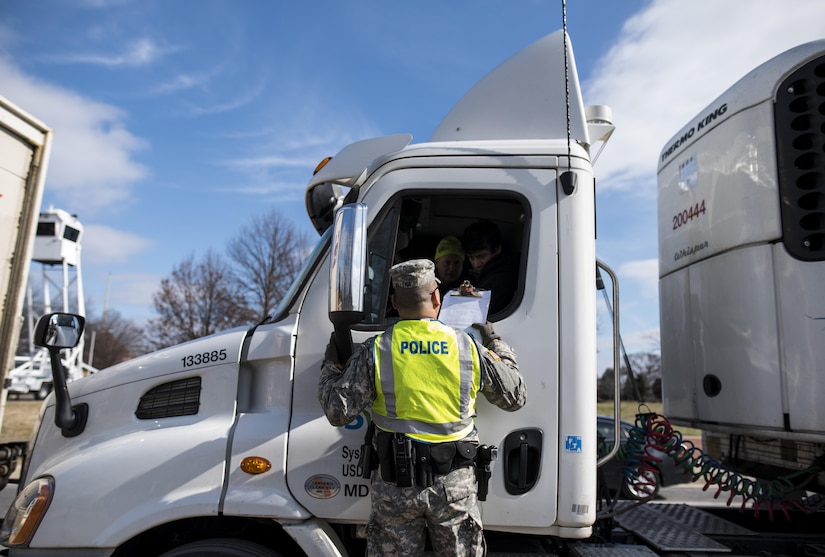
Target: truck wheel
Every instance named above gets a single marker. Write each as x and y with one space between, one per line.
43 391
642 486
221 547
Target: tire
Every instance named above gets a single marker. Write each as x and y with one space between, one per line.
43 391
642 486
221 547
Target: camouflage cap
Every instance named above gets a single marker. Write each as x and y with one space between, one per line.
413 273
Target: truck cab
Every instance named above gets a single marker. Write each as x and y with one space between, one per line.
221 442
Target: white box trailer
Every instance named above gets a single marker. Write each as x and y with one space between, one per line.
742 268
25 144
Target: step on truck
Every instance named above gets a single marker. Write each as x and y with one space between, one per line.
219 446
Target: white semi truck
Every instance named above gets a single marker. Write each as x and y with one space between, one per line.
219 446
25 146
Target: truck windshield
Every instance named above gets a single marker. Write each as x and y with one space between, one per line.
314 258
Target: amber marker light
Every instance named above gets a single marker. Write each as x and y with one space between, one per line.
321 165
255 465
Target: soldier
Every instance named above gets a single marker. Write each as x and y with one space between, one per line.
421 379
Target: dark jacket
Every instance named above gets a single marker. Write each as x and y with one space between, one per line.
500 276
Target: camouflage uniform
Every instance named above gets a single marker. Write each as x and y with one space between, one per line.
449 507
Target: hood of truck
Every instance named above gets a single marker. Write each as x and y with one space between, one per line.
165 434
189 357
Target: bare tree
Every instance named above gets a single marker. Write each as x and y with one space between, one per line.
199 299
269 252
605 389
647 372
114 340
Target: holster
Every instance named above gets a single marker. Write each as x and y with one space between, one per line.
423 465
385 460
442 457
395 458
403 458
486 455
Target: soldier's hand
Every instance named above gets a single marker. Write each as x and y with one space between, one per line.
487 333
331 353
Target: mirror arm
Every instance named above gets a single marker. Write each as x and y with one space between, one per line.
341 321
70 419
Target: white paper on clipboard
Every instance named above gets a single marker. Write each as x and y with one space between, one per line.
462 311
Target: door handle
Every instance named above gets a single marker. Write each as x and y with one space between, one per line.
522 460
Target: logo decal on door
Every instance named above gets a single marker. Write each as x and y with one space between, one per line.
573 444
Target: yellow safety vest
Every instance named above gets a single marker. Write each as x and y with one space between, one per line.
427 376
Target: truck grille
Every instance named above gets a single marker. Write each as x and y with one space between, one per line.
178 398
799 114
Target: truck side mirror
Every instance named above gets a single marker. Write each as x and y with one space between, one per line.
55 332
347 272
59 330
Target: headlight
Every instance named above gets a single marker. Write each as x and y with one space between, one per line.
25 514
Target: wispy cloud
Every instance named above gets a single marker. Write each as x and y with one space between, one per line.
104 245
645 273
103 3
269 191
271 161
185 81
239 101
132 292
8 36
93 150
141 52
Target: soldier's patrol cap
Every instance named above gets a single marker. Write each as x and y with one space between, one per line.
413 273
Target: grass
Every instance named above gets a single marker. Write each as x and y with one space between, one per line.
19 418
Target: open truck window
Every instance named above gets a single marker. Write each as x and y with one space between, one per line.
412 226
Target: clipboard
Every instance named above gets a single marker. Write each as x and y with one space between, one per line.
461 310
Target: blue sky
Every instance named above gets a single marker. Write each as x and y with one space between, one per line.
177 120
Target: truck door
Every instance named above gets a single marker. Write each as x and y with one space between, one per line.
409 214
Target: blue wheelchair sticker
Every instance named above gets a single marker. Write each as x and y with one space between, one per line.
573 444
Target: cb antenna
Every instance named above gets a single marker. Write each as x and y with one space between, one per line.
567 179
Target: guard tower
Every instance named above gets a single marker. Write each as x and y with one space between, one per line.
57 250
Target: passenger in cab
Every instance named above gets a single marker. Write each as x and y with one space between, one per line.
491 268
449 264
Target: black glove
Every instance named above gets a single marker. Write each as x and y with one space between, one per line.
487 333
331 353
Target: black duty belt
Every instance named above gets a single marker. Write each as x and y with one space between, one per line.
406 462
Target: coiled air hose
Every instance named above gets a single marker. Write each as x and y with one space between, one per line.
652 435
